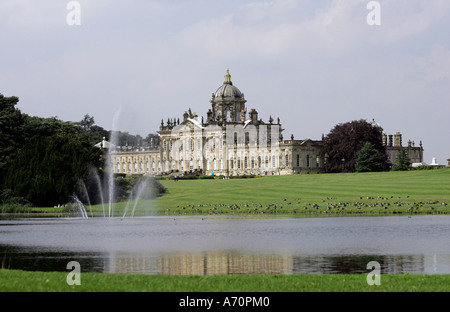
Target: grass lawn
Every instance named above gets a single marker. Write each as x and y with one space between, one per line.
404 192
410 192
24 281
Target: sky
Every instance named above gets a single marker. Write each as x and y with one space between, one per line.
312 63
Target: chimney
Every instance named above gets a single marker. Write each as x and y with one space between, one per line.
253 116
398 140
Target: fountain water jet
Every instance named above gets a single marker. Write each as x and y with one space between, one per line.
110 166
80 207
106 189
136 195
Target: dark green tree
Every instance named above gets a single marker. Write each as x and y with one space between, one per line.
369 159
11 127
403 161
47 168
87 122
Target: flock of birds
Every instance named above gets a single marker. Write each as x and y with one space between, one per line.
328 205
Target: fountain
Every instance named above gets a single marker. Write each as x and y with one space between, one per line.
80 207
96 192
92 192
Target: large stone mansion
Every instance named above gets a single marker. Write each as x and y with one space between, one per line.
232 141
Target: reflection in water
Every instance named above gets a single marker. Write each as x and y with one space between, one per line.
221 263
209 263
225 245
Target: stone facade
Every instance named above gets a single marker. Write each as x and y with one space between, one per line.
393 144
230 142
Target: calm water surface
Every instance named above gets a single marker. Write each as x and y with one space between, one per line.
229 245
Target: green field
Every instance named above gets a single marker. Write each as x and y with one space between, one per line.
410 192
383 193
23 281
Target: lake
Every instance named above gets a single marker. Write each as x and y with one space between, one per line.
208 245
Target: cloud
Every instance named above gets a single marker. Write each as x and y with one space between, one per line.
436 65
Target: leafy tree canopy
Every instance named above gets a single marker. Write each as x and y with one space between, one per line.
47 168
368 159
11 123
345 140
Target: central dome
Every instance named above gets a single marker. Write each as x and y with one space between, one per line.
227 90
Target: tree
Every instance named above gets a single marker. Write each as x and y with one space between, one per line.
368 159
11 126
403 161
96 133
46 170
87 122
344 141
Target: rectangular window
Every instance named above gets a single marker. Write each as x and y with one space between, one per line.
287 160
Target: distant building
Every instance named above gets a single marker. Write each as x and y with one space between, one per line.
231 141
393 144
